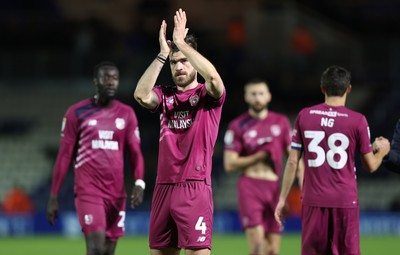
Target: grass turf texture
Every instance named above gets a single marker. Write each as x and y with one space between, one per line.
137 245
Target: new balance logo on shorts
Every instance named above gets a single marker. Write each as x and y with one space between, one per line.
201 239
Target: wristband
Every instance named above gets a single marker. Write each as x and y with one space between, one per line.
161 58
140 183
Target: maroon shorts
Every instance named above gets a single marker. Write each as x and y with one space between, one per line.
98 214
330 231
181 216
257 202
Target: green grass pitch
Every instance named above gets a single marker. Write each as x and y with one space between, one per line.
137 245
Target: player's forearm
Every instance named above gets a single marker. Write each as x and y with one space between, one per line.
205 68
288 178
61 167
373 165
137 162
143 90
300 173
239 163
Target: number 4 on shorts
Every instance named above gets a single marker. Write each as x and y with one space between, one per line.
200 225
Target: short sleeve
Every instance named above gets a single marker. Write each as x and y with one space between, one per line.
232 139
69 127
364 136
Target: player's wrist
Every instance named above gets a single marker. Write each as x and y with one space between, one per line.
161 58
140 183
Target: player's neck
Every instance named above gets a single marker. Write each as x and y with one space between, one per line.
102 102
258 115
335 101
188 87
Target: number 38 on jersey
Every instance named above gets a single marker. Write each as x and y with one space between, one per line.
337 145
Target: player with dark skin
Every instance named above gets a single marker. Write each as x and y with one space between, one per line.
106 81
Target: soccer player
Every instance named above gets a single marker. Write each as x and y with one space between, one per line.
392 160
95 133
255 143
182 205
329 135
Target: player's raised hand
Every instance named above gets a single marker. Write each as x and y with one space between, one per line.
137 196
165 45
52 210
180 30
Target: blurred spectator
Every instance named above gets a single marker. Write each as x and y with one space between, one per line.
17 201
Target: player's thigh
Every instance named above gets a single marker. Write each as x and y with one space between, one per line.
250 202
115 218
315 232
91 213
346 234
162 231
192 210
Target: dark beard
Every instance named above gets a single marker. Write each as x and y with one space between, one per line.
184 84
259 108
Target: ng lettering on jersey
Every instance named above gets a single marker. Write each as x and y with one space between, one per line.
104 142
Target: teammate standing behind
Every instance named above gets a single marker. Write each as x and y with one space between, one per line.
329 135
255 143
95 133
182 206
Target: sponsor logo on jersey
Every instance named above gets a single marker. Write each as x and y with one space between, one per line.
262 140
104 141
120 123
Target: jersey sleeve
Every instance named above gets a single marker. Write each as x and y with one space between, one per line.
133 147
232 139
69 134
297 142
159 92
364 136
212 102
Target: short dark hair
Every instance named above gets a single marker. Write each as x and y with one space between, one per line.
100 65
335 80
256 80
189 39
